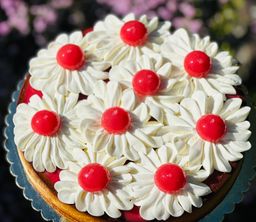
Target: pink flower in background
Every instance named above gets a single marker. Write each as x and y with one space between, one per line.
187 9
165 9
17 16
194 25
20 15
44 16
59 4
4 28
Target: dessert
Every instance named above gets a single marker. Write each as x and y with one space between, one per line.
132 122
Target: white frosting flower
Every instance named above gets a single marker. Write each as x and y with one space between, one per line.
66 66
159 98
117 39
113 121
110 198
213 75
209 131
46 131
159 199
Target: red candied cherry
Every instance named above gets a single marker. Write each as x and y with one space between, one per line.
115 120
197 64
30 91
146 82
211 127
133 215
46 123
54 177
170 178
134 33
93 177
70 56
87 30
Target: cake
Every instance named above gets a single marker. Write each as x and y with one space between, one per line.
131 122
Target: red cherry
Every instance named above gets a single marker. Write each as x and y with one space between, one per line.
133 215
87 30
45 123
197 64
70 56
211 127
134 33
170 178
93 177
54 177
115 120
30 91
146 82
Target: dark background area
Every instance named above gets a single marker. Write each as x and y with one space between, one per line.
26 26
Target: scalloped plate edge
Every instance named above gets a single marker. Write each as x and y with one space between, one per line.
37 203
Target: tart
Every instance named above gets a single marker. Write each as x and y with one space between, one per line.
132 122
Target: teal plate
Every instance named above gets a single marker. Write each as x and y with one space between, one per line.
227 206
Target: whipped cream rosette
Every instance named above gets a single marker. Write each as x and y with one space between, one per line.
96 183
200 65
118 40
66 65
112 120
152 80
46 130
210 131
164 187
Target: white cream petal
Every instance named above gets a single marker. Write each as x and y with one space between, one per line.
220 162
191 105
102 140
93 204
113 94
184 202
128 100
207 87
146 209
80 201
229 154
237 136
207 160
141 111
160 213
67 176
238 146
199 189
239 115
135 143
196 202
177 209
47 162
120 145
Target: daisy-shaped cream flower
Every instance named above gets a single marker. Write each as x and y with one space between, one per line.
152 80
112 120
209 131
200 65
124 39
66 65
96 183
164 187
46 131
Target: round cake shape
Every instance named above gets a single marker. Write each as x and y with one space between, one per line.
124 119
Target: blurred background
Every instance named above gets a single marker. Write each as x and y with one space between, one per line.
27 25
